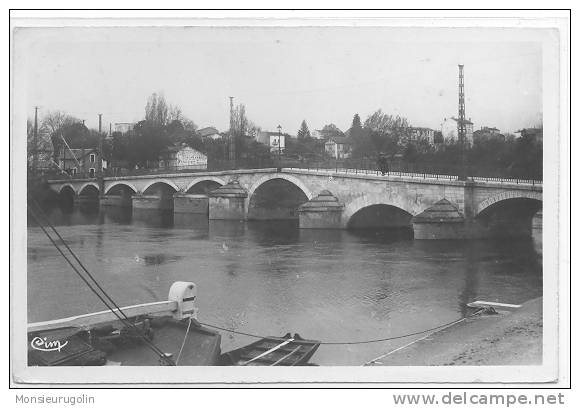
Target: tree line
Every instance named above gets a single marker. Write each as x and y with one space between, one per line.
381 133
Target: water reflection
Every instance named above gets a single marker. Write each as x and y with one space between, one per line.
271 277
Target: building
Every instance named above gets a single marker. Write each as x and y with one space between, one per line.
487 133
449 130
123 127
182 157
271 139
80 161
277 143
209 133
317 134
537 134
338 147
326 133
422 133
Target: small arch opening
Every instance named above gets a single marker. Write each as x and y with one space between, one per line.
204 187
382 220
276 199
510 217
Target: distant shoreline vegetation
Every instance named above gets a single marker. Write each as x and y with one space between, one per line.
140 145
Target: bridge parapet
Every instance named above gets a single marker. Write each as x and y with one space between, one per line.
412 193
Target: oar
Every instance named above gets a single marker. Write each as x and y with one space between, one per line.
265 353
286 356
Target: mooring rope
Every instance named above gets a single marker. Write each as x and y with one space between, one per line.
374 360
183 344
117 312
335 343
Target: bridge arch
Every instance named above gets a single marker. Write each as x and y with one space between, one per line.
217 180
508 195
292 179
161 182
276 197
85 188
365 201
121 183
67 185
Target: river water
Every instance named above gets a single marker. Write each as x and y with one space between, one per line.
271 278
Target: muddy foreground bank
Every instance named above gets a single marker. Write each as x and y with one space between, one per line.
508 338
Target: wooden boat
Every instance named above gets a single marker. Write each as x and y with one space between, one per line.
273 351
102 339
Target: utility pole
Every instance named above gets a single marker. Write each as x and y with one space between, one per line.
100 160
461 125
232 139
279 143
35 152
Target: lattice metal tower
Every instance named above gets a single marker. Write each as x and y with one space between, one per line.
461 128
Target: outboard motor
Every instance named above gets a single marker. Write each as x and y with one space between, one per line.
184 293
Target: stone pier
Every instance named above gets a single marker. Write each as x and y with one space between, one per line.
124 201
441 221
190 203
323 211
228 202
151 202
85 199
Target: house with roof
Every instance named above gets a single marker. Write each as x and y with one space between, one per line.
209 133
450 132
338 147
123 127
422 133
536 134
275 140
80 161
182 157
487 133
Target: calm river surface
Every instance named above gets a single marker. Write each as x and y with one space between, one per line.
271 278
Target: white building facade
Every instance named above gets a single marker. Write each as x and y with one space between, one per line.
449 130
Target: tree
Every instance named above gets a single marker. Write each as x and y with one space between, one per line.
331 130
388 133
43 146
356 127
145 143
53 126
303 132
156 110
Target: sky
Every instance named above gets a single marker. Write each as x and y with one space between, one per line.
284 75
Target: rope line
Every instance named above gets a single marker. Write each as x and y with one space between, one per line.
376 359
334 343
117 311
183 344
124 319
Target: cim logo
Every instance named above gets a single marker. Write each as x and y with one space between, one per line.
41 344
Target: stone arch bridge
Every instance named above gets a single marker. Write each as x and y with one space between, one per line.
431 204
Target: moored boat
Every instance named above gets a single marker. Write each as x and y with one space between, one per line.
159 333
273 351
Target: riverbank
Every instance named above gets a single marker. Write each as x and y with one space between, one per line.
508 338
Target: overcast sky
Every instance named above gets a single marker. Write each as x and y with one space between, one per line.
285 75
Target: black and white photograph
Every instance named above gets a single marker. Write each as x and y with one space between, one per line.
286 199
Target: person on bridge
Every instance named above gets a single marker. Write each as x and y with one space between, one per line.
383 164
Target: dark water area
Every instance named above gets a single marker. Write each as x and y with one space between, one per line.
270 278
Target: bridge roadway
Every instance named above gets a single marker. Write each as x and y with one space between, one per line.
488 202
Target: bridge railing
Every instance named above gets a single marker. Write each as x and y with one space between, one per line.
338 167
402 174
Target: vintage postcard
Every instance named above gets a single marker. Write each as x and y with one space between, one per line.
291 199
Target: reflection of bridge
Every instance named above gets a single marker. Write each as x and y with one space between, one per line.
366 199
